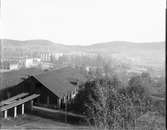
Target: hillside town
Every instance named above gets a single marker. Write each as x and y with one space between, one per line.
82 65
52 83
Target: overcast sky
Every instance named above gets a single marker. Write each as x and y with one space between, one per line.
83 21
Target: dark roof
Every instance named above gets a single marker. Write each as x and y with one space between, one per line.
12 78
59 81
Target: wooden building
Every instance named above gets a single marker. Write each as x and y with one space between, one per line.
52 88
55 87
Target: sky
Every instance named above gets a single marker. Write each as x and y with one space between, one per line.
83 22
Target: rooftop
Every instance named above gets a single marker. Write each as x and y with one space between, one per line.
60 81
12 78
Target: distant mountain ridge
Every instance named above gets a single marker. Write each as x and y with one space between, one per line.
7 43
144 53
105 44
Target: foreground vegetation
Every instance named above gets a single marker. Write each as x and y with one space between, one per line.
109 104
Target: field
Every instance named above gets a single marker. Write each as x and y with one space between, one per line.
43 119
33 122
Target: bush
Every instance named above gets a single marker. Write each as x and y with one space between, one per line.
108 105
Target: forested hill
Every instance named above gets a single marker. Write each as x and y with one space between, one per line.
146 53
